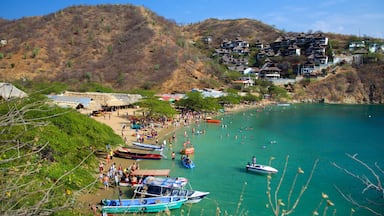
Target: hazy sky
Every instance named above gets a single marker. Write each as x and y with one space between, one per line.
352 17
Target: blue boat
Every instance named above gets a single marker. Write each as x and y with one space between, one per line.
142 205
187 162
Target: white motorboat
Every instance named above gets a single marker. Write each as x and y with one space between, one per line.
158 187
259 168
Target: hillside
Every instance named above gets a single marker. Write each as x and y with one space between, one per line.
349 85
247 29
125 47
120 46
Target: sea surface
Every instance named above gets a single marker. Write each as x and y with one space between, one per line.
295 136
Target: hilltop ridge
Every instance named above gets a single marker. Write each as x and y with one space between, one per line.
126 47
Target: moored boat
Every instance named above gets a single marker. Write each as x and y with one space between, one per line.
217 121
148 146
142 205
259 168
193 196
124 152
187 162
178 182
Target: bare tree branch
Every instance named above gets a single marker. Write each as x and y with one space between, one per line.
369 185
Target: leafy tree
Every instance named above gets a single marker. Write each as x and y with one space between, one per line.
278 92
250 98
156 107
229 76
47 156
196 102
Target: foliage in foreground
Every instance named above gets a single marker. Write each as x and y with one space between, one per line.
47 156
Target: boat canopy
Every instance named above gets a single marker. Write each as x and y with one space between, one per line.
165 182
151 172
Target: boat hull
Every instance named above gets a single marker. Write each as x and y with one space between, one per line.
157 187
147 146
187 163
158 191
142 205
131 154
261 169
215 121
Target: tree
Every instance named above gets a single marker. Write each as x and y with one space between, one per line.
195 101
46 156
156 107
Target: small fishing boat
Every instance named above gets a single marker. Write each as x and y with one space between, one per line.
128 153
187 162
165 187
142 205
259 168
217 121
148 146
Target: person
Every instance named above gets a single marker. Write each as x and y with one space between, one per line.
116 180
120 195
101 167
173 155
106 182
254 161
111 154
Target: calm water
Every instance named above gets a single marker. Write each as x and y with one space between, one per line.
304 132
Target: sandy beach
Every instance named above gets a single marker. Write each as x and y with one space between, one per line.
116 120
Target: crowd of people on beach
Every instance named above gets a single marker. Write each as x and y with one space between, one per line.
116 175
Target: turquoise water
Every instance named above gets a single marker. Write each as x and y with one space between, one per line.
303 132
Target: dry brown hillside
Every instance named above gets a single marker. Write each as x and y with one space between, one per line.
349 85
247 29
121 46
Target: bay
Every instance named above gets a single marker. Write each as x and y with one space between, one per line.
302 133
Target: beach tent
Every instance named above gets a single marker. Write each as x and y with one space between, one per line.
8 91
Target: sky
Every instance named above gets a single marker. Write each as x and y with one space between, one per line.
350 17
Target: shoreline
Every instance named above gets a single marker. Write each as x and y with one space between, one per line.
115 120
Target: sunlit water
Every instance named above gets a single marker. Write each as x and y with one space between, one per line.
302 132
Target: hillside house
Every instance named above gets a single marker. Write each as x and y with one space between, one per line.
270 71
294 50
355 45
307 68
259 45
244 82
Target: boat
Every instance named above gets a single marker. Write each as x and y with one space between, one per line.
187 162
157 187
178 182
283 104
128 153
217 121
148 146
142 205
259 168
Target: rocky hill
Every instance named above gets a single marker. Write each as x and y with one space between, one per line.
125 47
121 46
